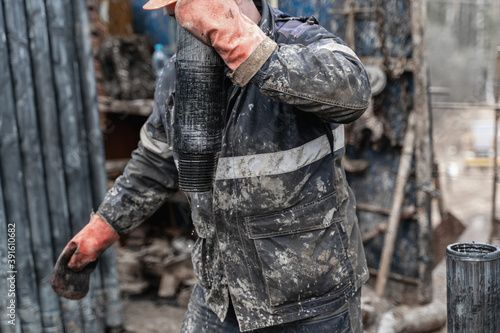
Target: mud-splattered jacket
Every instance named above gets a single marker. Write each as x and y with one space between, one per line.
278 234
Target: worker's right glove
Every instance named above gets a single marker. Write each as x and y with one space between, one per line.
71 275
222 25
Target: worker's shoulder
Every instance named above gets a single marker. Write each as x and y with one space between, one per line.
298 28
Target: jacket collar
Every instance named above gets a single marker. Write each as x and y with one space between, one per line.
267 20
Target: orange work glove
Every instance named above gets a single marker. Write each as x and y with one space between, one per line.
71 273
217 23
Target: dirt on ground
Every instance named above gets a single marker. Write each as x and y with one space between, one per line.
150 314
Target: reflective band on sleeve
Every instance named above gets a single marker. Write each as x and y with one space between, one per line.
158 147
280 162
334 47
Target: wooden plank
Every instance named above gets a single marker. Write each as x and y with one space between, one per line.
495 167
396 277
495 141
408 64
397 204
423 152
481 162
137 107
408 213
463 106
497 78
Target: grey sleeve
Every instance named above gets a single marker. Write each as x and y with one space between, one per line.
147 182
150 176
322 76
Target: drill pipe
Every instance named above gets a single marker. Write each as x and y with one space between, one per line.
199 105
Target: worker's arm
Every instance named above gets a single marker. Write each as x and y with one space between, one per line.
149 179
313 70
144 186
309 67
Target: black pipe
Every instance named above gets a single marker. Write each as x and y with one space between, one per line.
473 287
199 105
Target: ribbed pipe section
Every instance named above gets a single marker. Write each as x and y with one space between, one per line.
198 172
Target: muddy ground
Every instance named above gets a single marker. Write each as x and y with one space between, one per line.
467 194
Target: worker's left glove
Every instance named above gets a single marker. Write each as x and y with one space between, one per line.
71 274
222 25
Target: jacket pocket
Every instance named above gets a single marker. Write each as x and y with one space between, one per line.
302 252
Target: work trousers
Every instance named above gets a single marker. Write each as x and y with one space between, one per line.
200 319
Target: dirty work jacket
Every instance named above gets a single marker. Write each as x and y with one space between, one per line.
278 234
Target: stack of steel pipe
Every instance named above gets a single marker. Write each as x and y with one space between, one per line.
51 165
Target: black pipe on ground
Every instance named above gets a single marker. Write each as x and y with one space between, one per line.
473 287
199 105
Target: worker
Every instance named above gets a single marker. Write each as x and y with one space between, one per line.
278 246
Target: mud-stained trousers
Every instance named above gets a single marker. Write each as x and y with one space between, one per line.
200 319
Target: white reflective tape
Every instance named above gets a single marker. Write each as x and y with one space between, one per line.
334 47
270 164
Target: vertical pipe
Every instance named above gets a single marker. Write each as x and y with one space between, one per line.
19 183
495 143
89 99
423 149
61 40
92 305
473 287
6 308
7 102
51 143
397 203
112 313
49 138
8 147
199 105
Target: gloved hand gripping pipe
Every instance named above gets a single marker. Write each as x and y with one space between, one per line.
199 105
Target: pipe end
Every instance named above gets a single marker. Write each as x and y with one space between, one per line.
197 171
